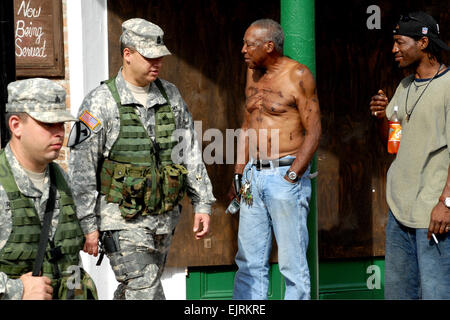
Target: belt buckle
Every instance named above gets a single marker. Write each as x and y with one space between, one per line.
276 163
265 164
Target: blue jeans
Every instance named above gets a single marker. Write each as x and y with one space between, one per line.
415 267
282 207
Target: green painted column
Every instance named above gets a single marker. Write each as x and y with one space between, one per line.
298 22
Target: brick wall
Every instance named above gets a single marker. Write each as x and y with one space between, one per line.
64 154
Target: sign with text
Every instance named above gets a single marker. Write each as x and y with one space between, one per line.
39 44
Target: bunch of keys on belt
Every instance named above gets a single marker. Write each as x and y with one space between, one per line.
246 194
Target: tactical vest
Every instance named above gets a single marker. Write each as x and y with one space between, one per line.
62 254
139 174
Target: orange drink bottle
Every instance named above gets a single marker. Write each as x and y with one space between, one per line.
395 132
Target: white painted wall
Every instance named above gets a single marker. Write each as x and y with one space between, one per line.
88 65
88 47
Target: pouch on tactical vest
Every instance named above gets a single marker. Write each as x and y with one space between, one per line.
147 190
69 289
134 188
173 185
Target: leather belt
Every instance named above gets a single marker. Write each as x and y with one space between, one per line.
265 164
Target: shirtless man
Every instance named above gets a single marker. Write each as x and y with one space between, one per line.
282 112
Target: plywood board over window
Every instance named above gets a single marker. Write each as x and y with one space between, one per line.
206 65
38 31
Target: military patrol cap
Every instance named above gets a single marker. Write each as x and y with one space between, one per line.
145 37
42 99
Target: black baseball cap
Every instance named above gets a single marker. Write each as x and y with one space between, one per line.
420 24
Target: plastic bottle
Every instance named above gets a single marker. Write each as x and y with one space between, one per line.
395 132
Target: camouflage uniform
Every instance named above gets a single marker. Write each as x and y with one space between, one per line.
144 241
43 100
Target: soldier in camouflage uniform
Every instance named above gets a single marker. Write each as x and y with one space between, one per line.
36 113
125 137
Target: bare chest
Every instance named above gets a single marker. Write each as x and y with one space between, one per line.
269 99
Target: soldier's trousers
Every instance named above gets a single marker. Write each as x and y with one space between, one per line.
139 264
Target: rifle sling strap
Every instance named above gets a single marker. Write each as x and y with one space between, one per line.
48 215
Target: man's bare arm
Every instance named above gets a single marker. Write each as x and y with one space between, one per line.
440 215
378 104
308 107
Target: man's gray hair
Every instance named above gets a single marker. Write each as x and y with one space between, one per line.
274 32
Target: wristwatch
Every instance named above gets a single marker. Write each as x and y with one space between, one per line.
293 176
445 201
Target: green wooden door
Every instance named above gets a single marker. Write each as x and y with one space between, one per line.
340 279
216 283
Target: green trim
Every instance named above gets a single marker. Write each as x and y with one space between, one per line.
216 283
339 279
298 22
349 279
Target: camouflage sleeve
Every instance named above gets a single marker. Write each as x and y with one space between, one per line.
83 161
87 223
10 289
199 185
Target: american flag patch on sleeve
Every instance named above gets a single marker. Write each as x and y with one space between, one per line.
89 120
